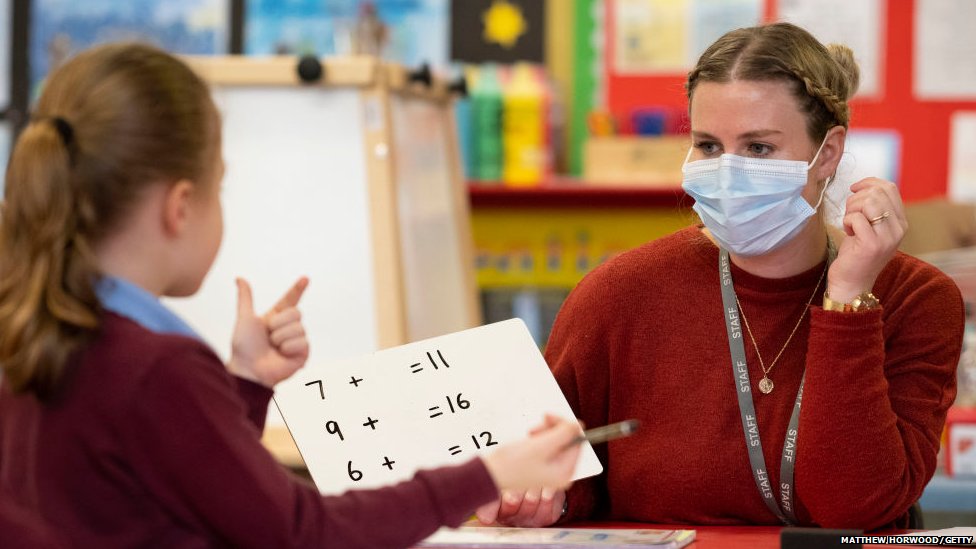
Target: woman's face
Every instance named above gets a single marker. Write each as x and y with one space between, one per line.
758 119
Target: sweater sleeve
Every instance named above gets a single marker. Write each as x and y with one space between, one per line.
256 397
190 443
878 386
580 363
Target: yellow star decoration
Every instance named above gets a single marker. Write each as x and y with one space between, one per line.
504 23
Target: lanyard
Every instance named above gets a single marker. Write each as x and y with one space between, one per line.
747 410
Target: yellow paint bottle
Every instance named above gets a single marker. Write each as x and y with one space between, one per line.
525 128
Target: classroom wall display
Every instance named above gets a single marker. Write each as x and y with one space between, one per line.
410 31
945 46
962 158
319 183
376 419
503 31
61 28
668 36
859 25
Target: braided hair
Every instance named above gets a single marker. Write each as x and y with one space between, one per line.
823 78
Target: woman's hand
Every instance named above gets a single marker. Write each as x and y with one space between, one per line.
875 224
268 349
527 509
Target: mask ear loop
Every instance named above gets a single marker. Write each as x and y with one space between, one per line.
816 156
687 156
829 178
823 191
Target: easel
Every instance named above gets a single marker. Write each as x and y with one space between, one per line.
322 181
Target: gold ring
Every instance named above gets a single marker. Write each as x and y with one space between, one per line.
880 218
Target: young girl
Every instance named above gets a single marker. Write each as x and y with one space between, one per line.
118 426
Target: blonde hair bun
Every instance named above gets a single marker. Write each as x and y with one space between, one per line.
844 57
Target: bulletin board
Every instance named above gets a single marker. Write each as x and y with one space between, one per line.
923 123
316 185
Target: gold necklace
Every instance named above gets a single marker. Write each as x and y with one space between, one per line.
766 384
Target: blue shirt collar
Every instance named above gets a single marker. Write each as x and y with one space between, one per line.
126 299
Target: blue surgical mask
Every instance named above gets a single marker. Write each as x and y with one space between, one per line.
750 205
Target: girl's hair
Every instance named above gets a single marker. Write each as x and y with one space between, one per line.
111 122
823 78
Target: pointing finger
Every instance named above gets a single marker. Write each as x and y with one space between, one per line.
292 296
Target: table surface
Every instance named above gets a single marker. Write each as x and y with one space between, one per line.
728 537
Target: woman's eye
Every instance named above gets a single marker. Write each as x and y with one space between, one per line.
759 149
707 148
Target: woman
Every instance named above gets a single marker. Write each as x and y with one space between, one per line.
708 335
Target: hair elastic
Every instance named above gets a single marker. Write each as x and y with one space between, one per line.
64 129
61 125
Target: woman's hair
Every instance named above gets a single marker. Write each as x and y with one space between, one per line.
823 78
111 122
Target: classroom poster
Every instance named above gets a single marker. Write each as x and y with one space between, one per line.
502 31
61 28
650 36
962 157
668 36
859 25
415 31
710 19
945 47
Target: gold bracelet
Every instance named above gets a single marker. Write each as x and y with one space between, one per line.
863 301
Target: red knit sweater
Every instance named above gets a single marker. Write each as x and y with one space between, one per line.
644 337
152 443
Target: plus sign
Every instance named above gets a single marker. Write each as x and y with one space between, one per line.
355 381
387 463
371 423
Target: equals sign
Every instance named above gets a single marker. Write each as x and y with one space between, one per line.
454 450
414 368
432 408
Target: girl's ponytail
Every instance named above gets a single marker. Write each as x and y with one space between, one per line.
47 300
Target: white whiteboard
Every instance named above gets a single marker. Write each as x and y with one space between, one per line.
434 267
425 404
295 201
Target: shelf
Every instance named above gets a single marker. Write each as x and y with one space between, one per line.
571 193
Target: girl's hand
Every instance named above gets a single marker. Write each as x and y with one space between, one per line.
532 474
270 348
875 224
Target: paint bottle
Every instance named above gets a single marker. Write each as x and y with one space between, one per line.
525 132
485 124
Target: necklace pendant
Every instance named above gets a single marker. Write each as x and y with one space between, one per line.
766 385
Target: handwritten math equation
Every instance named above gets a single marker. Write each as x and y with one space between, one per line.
447 405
